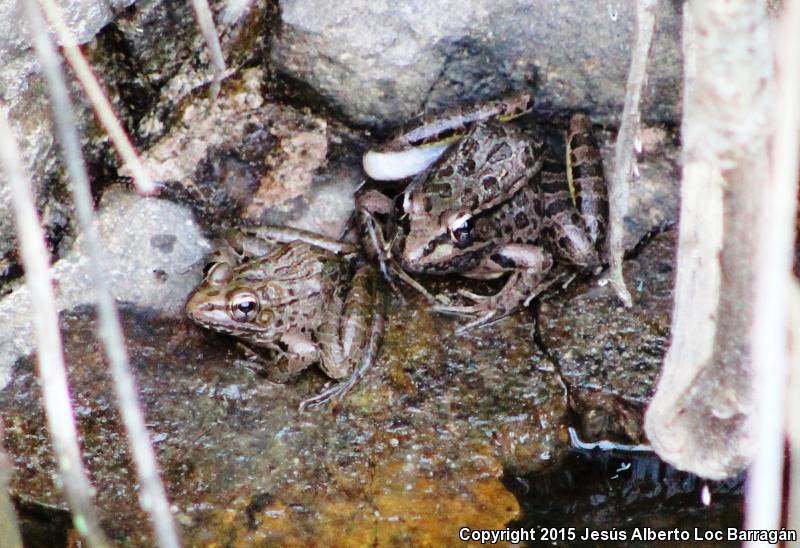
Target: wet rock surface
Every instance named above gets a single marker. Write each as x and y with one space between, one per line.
424 437
381 65
150 246
609 355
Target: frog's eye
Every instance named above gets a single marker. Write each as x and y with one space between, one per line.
218 273
460 230
243 305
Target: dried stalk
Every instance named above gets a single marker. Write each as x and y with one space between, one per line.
152 495
206 21
52 376
97 98
773 284
702 415
793 411
625 145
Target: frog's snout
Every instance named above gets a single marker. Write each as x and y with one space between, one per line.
201 306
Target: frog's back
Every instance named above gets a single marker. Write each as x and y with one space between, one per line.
297 270
483 169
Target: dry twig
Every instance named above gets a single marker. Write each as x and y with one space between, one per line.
52 376
152 495
773 283
701 417
206 21
98 99
625 146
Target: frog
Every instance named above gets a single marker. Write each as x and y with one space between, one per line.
495 201
293 298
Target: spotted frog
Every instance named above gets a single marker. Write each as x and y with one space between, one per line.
298 295
494 201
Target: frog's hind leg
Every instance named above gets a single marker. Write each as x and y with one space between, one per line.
349 336
564 229
336 392
257 242
585 177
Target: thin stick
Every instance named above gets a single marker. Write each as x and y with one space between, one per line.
206 21
102 107
793 412
776 231
152 494
624 148
52 377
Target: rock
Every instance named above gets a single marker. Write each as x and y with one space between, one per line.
151 247
23 93
381 63
609 355
655 193
424 437
142 59
270 165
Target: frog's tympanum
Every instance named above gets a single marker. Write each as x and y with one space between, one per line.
300 297
489 201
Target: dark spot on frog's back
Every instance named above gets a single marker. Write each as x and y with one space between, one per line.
163 242
500 152
467 167
427 204
489 183
521 220
446 171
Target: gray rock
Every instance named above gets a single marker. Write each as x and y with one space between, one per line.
152 248
382 62
270 165
23 93
142 60
85 19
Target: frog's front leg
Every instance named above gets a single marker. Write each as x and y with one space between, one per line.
349 336
289 356
528 266
375 211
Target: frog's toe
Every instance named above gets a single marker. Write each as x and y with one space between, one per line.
332 394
